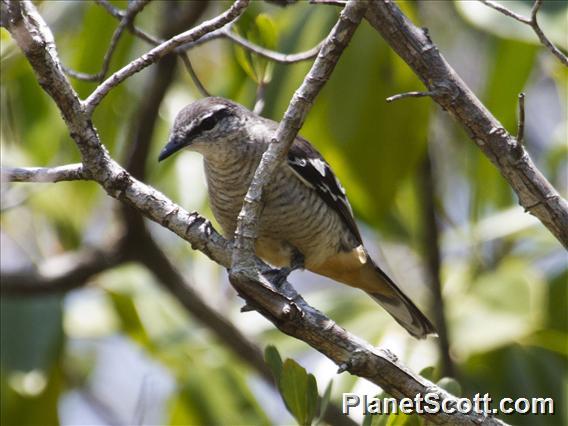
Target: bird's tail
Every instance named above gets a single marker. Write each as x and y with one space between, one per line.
357 269
401 308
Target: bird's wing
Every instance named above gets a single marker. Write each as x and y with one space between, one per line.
311 168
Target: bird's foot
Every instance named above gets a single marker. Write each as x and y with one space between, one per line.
297 261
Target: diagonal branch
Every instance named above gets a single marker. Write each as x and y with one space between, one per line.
301 103
415 47
531 22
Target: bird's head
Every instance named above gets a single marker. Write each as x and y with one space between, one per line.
203 124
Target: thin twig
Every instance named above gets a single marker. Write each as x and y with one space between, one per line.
44 174
531 22
329 2
224 32
119 14
133 9
409 95
521 126
200 87
282 58
505 11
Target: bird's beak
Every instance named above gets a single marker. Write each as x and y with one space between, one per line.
174 145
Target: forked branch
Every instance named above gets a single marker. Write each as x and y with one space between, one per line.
531 22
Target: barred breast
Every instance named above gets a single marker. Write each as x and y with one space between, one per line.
294 219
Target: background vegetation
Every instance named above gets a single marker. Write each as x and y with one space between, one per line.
121 349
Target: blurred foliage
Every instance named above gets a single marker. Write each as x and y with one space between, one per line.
504 276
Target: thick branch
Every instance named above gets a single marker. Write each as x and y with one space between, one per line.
413 45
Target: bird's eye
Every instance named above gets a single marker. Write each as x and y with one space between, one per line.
208 123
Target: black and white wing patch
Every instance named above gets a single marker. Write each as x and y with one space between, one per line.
310 167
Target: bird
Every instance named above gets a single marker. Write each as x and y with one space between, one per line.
306 220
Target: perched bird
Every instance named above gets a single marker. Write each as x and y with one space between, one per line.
306 213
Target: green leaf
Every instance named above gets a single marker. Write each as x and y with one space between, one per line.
132 325
299 391
33 322
274 361
451 385
402 419
266 31
244 59
428 373
262 32
266 37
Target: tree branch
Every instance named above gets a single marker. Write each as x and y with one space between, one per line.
44 174
160 51
431 250
521 123
531 22
224 32
247 223
62 273
119 14
140 243
283 58
277 301
409 95
414 46
134 8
